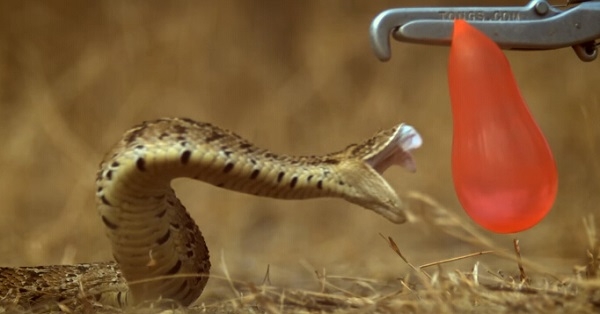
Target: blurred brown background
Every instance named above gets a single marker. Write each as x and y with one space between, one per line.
297 77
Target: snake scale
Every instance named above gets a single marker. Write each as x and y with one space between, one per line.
159 251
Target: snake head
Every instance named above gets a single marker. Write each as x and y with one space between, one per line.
370 189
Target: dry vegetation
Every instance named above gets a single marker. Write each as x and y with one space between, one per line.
300 78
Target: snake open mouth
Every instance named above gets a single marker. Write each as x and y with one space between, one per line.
397 150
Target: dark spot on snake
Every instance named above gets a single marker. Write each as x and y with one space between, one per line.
109 174
214 136
170 202
82 268
190 254
139 147
331 161
133 135
105 201
108 224
164 238
269 155
245 145
193 122
38 296
183 143
356 149
118 298
115 164
293 182
175 225
320 184
185 156
179 129
255 174
227 153
163 135
36 275
99 189
175 268
252 161
280 176
341 182
180 138
189 224
140 163
309 178
228 167
161 214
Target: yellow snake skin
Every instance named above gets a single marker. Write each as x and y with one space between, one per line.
158 249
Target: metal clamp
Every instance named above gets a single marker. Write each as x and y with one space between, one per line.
536 26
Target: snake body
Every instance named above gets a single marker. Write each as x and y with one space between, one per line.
158 249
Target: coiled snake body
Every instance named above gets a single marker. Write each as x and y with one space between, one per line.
156 243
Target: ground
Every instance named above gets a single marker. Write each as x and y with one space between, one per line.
298 78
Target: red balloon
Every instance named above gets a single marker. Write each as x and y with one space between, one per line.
503 171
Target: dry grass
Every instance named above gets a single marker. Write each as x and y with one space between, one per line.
299 78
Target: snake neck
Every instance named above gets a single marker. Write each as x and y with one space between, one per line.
153 238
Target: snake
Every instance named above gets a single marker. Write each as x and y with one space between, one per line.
159 251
